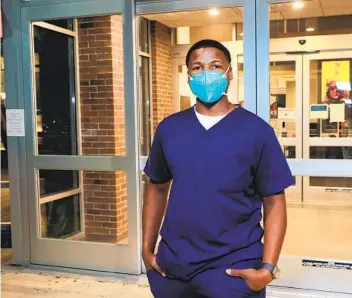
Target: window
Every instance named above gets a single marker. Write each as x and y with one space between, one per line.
145 86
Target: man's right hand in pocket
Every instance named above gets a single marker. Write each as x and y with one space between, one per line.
151 264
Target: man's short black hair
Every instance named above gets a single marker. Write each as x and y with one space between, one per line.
208 43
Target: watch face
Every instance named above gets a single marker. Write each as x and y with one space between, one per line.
276 273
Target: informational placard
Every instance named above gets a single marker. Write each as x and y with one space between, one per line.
15 123
337 112
335 73
286 113
319 111
326 264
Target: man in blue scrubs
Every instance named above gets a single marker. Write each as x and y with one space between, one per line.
224 163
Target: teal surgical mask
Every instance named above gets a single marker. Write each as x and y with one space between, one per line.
209 85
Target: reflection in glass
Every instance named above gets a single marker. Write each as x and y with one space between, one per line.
5 204
55 92
330 152
283 98
55 181
323 238
102 197
143 35
63 23
330 98
145 106
100 61
340 182
311 20
290 151
240 84
60 218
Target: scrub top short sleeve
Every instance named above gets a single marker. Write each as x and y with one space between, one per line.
273 174
156 167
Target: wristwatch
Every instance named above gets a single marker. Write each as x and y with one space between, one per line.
274 270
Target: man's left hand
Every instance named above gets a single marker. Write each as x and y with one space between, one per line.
255 279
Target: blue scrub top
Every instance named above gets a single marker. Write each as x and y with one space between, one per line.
219 178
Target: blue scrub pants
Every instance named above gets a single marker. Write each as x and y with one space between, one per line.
212 283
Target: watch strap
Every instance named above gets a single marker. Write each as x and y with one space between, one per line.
269 267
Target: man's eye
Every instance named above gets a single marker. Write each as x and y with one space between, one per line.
197 68
216 66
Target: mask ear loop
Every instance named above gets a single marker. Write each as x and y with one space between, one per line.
224 75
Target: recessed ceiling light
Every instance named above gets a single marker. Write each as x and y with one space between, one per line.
298 4
214 12
310 29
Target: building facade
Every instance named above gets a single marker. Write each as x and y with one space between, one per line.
87 83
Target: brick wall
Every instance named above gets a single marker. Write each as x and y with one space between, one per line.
103 124
163 104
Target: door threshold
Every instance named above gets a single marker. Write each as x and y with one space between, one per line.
296 292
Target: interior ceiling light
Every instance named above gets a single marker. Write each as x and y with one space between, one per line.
310 29
298 4
214 12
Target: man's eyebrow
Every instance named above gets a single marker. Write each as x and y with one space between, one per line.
212 61
197 62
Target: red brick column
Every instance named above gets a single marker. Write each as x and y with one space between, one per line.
163 104
103 124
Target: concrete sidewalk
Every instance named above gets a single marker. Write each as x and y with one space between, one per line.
28 283
21 282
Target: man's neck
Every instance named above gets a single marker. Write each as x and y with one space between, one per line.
220 108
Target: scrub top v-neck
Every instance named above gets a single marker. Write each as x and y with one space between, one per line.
219 178
208 121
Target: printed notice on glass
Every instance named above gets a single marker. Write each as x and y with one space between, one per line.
15 123
337 112
286 113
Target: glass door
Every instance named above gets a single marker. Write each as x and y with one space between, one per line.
317 240
327 119
286 110
316 37
81 135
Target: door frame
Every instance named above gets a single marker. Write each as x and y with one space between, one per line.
27 246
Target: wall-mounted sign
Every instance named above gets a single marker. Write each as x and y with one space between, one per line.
319 111
286 113
326 264
15 123
337 112
335 82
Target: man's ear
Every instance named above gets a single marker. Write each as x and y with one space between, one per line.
230 74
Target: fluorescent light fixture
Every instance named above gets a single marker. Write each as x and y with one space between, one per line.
298 4
310 29
214 12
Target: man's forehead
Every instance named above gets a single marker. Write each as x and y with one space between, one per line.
208 54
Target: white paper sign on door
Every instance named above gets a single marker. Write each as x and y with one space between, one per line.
15 123
319 111
337 112
286 113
